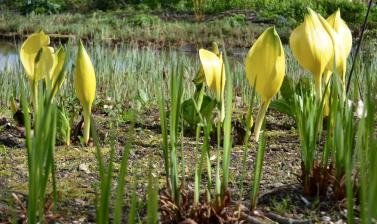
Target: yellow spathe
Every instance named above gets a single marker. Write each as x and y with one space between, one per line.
214 72
265 70
29 51
265 64
59 60
85 85
342 38
45 63
343 44
312 47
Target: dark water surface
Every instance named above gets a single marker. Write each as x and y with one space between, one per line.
9 57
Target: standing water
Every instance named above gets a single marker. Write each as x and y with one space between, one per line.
8 55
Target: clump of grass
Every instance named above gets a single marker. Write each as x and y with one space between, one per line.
103 200
40 146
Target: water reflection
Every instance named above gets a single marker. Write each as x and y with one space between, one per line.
8 55
9 58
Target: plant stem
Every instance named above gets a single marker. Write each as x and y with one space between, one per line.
86 112
260 118
258 172
364 27
197 182
35 98
245 145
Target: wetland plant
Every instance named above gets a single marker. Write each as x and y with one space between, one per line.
85 85
265 70
346 163
41 63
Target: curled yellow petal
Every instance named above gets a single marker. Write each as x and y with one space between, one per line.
265 70
214 72
45 63
312 47
29 50
200 77
341 28
85 85
343 43
59 59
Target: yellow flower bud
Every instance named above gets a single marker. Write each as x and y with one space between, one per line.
342 41
343 44
214 72
312 47
85 85
265 70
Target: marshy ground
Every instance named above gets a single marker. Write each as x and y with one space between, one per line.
77 173
125 47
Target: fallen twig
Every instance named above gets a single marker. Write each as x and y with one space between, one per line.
285 220
253 220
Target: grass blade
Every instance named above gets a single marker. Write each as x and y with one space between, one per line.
258 170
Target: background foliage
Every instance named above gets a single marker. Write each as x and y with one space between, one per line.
352 11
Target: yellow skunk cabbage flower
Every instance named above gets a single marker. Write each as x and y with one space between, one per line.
265 70
85 85
312 47
59 59
45 63
344 45
29 51
342 42
214 72
200 77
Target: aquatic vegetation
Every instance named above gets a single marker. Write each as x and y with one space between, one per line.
265 70
40 63
85 85
58 66
214 73
30 54
312 47
335 159
344 45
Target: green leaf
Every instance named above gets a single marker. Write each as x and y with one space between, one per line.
258 170
208 106
152 200
282 106
189 113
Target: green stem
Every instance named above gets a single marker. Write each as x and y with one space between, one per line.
249 124
222 112
260 118
258 172
87 112
217 178
326 109
318 86
197 165
35 97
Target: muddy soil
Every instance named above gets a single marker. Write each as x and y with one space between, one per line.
77 175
